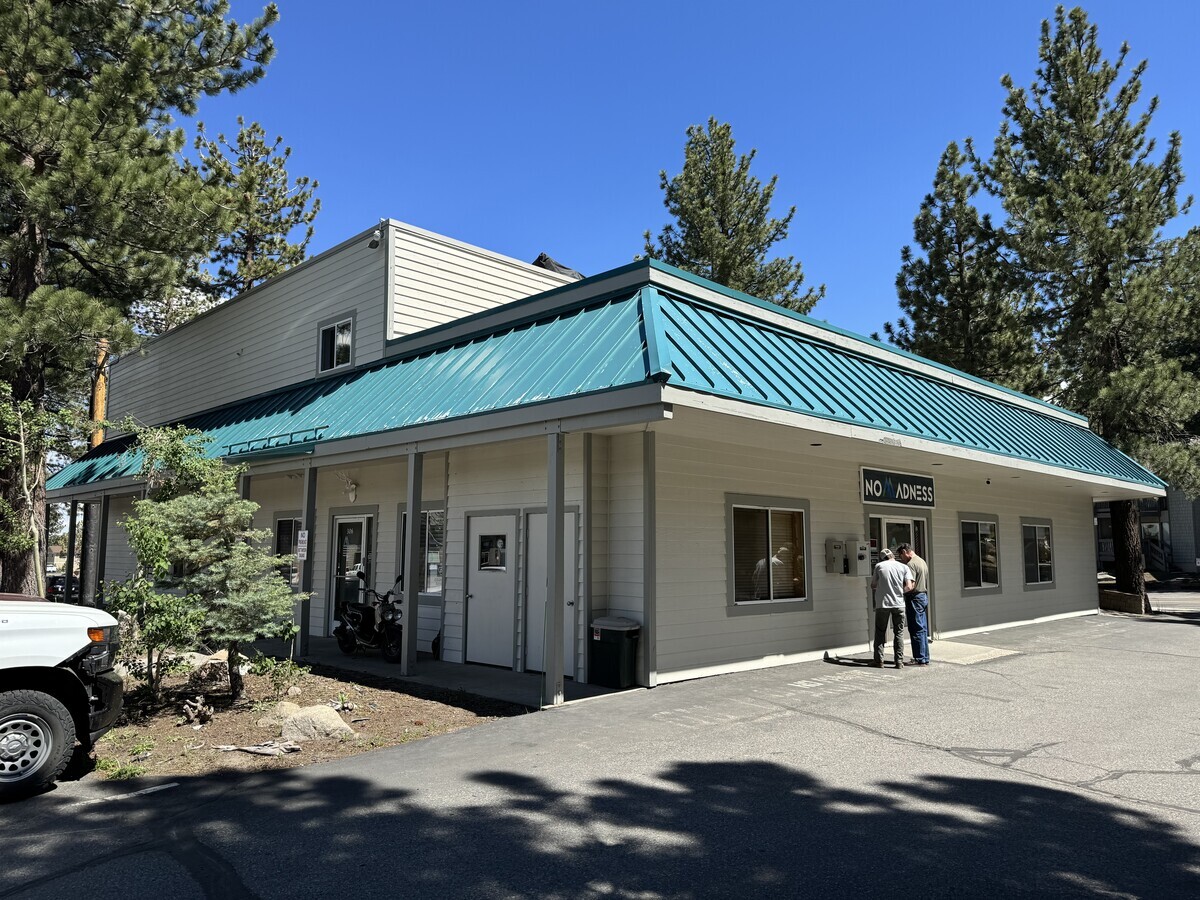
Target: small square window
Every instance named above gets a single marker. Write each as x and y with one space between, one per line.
336 345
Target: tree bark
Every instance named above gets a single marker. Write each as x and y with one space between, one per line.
1128 561
237 688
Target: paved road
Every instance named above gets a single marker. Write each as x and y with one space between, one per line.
1071 767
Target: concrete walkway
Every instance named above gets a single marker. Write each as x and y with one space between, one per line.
522 688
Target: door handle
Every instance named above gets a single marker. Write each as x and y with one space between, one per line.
467 596
570 603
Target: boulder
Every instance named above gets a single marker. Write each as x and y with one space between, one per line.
283 710
314 723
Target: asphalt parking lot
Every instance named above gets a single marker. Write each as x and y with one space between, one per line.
1063 759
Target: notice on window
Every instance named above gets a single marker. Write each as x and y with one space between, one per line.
302 546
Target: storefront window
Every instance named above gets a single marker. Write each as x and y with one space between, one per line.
1039 553
980 554
768 554
432 550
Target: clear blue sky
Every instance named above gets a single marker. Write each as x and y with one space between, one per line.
526 127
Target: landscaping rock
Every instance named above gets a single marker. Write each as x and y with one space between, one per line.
295 691
283 711
315 723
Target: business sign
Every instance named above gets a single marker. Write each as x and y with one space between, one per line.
897 488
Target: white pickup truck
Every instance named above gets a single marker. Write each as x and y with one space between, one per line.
57 685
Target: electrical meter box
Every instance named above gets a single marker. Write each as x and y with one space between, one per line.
860 558
835 556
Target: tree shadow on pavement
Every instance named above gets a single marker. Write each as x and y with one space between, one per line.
695 829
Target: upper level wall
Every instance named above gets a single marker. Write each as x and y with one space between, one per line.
268 338
265 339
437 279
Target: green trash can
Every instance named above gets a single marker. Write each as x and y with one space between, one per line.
612 660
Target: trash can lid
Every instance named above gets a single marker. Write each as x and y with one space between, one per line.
615 623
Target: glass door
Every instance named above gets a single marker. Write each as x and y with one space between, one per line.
351 551
892 531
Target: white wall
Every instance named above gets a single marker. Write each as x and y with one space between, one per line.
698 633
509 476
437 279
266 339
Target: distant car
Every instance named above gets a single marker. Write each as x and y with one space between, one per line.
56 588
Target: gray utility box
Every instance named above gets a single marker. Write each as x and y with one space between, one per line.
612 656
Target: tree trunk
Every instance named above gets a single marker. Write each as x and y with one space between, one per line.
87 558
1128 561
237 688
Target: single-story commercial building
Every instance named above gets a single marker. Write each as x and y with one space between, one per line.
642 443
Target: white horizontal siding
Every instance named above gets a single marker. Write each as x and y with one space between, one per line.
380 484
265 340
437 279
697 631
509 476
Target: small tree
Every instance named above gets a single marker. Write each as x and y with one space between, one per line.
267 207
723 228
195 522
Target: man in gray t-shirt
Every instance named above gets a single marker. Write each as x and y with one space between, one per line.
889 583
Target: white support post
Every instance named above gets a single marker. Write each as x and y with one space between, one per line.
413 564
308 525
552 679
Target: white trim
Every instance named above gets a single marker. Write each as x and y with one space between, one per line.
691 399
963 632
767 662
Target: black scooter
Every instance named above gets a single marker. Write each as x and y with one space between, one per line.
373 623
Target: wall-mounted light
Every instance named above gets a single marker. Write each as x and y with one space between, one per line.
376 236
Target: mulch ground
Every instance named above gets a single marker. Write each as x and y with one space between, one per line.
154 739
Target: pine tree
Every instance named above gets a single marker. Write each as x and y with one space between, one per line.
267 206
963 304
1087 203
195 520
723 228
95 209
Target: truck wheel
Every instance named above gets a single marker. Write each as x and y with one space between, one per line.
37 735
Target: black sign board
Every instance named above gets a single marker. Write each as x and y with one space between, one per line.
897 488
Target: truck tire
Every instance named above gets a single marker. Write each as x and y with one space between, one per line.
37 737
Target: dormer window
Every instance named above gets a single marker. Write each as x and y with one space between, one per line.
337 344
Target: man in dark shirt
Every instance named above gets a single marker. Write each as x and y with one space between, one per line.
916 603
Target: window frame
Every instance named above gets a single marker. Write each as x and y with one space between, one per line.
402 531
333 324
1048 524
290 573
982 589
768 504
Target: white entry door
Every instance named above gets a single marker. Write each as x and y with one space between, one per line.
491 589
535 593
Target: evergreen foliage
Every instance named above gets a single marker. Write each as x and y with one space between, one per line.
1106 296
723 228
963 304
96 211
267 207
195 525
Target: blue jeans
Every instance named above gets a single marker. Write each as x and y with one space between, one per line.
917 607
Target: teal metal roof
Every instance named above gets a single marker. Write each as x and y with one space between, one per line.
624 340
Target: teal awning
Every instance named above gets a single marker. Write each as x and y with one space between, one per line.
640 335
